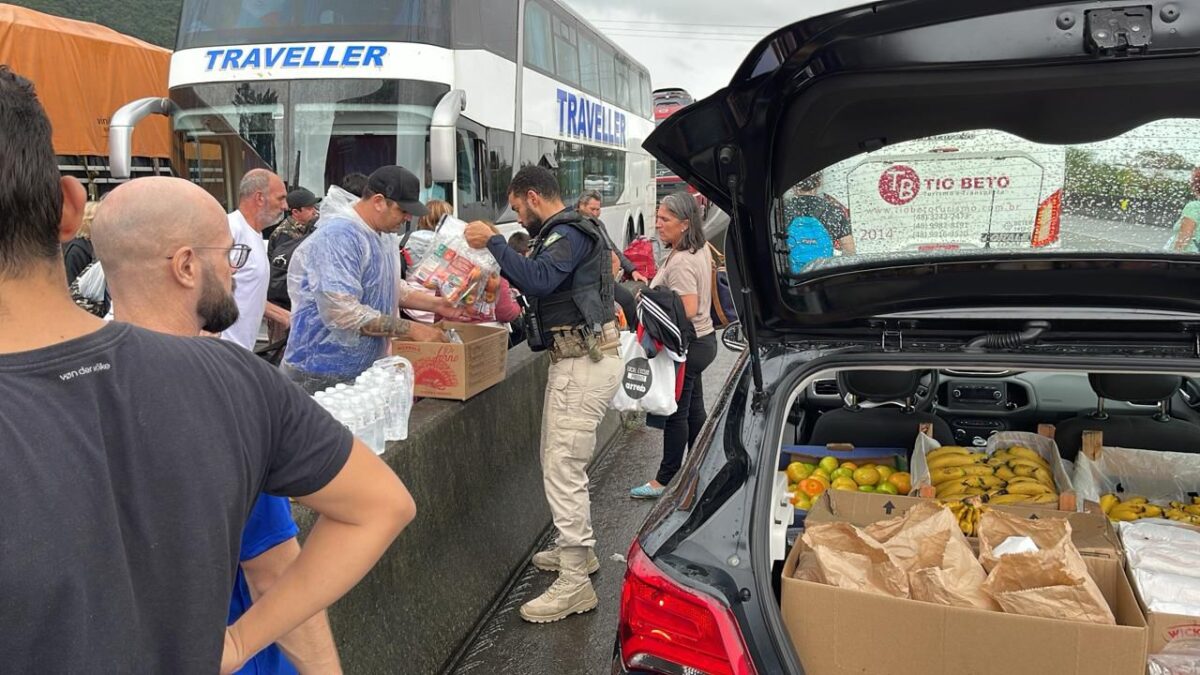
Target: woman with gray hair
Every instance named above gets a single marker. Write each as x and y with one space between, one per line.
688 271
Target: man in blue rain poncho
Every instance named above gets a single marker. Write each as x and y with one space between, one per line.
345 284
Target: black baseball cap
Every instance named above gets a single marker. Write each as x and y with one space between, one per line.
399 185
300 198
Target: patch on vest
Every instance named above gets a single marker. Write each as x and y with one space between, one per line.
551 238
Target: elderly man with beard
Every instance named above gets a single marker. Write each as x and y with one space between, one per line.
262 199
183 294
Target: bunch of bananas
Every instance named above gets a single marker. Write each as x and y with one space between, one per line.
967 512
1016 475
1137 507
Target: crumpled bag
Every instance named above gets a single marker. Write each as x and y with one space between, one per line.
1051 583
927 543
845 557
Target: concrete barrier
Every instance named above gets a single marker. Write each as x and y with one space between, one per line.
473 470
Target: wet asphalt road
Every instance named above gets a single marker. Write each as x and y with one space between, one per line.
582 644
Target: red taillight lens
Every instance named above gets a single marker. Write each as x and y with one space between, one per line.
1048 222
667 628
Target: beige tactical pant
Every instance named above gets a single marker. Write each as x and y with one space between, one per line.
577 396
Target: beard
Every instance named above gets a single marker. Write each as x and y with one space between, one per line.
217 308
534 224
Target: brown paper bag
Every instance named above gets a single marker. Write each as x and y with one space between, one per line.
928 544
996 526
847 558
1052 583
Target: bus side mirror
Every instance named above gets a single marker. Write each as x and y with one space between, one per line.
443 136
120 132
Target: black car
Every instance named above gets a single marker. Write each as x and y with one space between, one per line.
970 335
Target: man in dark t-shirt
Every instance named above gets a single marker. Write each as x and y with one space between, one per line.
804 200
131 460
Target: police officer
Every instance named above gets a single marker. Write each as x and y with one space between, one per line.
568 281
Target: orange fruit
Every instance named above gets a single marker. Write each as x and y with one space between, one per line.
902 480
796 472
849 465
846 484
812 487
866 476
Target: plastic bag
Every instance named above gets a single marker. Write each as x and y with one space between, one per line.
647 385
1158 476
463 275
1179 657
1164 559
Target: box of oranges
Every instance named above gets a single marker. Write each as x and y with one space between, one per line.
813 469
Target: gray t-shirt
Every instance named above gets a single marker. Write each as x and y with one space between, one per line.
131 460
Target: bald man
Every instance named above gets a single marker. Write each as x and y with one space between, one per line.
184 294
262 199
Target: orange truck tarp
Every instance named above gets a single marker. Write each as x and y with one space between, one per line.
83 73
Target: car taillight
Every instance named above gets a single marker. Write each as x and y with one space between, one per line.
667 628
1048 222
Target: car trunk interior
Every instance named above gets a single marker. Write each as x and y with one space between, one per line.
884 408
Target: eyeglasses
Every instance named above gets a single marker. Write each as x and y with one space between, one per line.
238 254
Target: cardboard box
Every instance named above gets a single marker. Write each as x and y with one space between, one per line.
839 632
457 371
897 458
1043 445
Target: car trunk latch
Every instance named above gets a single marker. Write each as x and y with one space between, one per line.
1118 32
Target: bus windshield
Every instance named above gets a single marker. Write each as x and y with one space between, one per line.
211 23
314 132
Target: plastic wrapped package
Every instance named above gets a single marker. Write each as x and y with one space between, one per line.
1165 560
338 266
1180 657
457 272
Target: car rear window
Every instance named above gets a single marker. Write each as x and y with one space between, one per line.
990 192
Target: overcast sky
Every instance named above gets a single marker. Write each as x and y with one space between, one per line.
694 44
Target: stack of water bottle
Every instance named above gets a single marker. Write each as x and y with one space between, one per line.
376 407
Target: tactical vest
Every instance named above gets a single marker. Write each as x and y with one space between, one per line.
585 299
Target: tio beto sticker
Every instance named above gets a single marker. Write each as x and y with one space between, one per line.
638 378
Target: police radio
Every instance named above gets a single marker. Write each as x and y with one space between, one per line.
533 326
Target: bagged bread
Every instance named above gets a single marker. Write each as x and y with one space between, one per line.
1052 582
927 543
845 557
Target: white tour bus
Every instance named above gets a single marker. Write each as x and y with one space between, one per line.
975 189
318 89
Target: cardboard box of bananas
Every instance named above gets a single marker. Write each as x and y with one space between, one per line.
1016 475
1136 507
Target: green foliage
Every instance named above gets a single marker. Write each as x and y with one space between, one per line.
1151 179
154 21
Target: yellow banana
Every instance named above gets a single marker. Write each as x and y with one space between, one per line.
1005 473
1175 513
1003 498
943 474
1028 489
1108 501
1014 462
1045 477
1196 499
978 457
1136 499
1023 479
1023 469
949 461
978 470
1001 456
946 450
1126 511
1048 498
1152 511
1027 453
1192 509
1176 504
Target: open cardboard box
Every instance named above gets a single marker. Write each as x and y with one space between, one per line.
839 632
1041 442
457 371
